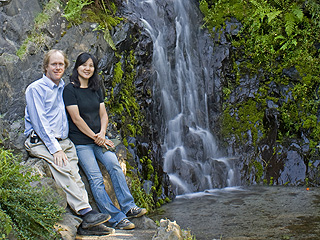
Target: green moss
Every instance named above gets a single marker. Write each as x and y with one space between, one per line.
148 169
125 103
156 180
94 11
36 36
117 74
23 48
238 120
275 36
125 142
258 169
140 197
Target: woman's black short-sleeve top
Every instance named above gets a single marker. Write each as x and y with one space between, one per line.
88 102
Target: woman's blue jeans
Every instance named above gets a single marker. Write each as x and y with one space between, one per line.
88 156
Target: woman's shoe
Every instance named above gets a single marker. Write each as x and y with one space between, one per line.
125 224
136 212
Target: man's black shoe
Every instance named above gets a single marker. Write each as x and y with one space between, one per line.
94 219
98 230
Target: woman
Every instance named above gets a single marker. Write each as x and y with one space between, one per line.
88 121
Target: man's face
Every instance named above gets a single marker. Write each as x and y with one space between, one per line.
56 67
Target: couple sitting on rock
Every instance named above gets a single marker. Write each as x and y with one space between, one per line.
64 138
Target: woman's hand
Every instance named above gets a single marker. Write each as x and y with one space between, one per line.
99 139
108 143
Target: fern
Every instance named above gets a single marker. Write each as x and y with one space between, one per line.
272 15
98 12
275 35
108 39
5 222
261 9
106 35
297 11
73 10
313 8
289 23
292 18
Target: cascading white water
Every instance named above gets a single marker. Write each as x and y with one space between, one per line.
190 151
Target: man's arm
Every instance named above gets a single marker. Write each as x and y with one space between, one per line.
40 123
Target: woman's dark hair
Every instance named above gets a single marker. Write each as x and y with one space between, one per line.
93 80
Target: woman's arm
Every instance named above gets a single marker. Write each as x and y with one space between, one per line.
73 111
104 124
103 119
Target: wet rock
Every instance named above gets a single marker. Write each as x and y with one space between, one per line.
168 230
144 223
294 170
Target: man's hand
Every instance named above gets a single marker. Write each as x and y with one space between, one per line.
60 158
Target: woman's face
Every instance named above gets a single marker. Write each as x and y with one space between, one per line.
86 70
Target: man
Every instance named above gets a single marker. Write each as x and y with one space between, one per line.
46 128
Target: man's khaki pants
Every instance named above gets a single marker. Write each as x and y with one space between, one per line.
68 176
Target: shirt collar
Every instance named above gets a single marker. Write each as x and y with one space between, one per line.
51 84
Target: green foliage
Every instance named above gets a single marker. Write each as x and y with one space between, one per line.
258 168
141 198
31 212
147 167
220 11
187 235
154 191
240 119
36 36
73 10
124 104
276 35
78 11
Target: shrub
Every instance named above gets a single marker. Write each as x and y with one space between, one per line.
30 212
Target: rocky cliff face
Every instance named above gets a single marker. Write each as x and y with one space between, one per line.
262 158
17 22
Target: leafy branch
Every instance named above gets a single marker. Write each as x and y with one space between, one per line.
30 212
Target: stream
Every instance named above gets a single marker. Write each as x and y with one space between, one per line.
248 213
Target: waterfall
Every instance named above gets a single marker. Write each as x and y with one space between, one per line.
191 156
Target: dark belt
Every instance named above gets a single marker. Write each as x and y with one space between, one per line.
34 138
